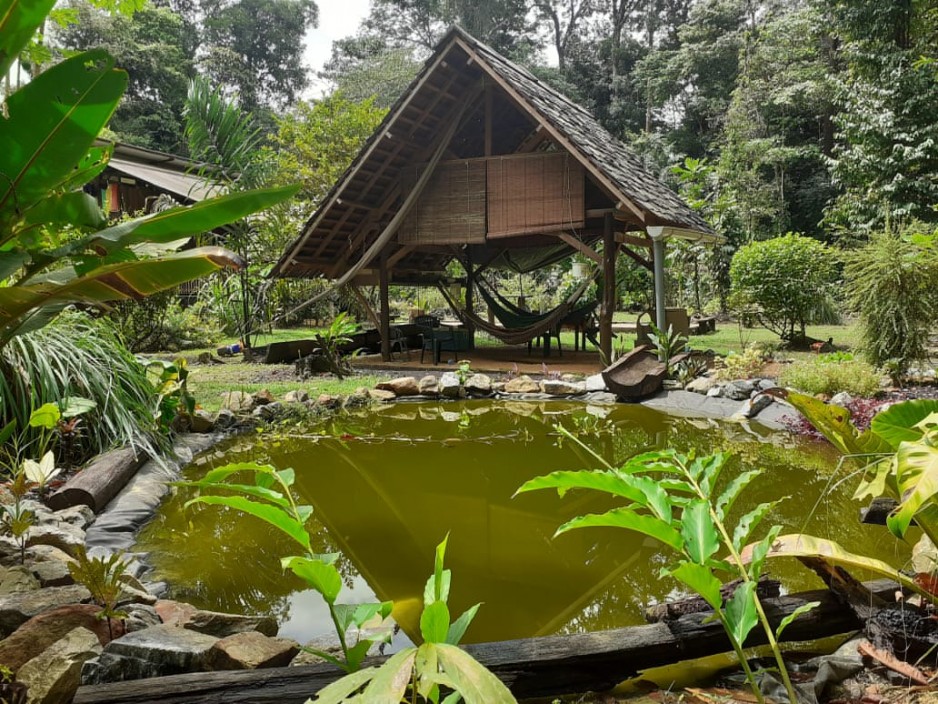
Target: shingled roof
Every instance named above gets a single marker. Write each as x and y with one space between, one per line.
369 193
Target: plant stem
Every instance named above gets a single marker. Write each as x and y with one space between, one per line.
741 656
340 633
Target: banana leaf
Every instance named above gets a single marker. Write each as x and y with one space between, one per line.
19 20
135 279
53 121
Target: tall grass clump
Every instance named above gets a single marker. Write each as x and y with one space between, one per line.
78 356
892 282
831 375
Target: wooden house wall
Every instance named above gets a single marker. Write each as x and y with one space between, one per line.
451 210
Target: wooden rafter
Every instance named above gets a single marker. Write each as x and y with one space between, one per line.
581 246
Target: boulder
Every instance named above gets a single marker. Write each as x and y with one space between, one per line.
715 391
766 384
201 422
53 676
522 385
213 623
753 406
268 411
401 386
296 396
140 616
595 382
479 385
63 536
152 652
558 387
263 397
738 390
357 399
41 631
841 399
450 386
381 395
428 386
17 609
80 516
52 573
250 651
237 401
47 553
701 385
225 418
17 579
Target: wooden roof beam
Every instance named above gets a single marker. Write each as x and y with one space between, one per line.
581 247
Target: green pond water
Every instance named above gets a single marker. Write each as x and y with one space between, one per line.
387 485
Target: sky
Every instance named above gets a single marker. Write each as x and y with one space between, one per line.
337 19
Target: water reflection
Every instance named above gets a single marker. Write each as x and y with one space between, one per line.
388 485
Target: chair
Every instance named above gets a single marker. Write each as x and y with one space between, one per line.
434 338
675 318
399 341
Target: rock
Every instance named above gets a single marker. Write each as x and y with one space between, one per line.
47 553
268 411
41 631
237 401
715 392
604 397
132 594
53 676
140 616
63 536
738 390
225 418
80 516
17 609
766 384
358 398
595 382
450 386
753 406
671 384
401 386
328 644
701 385
841 399
381 396
522 385
213 623
16 580
296 396
557 387
479 385
251 651
201 422
52 573
152 652
263 397
428 386
498 387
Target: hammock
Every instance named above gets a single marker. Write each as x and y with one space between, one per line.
520 328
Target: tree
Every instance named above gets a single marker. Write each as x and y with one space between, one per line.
255 48
364 67
564 19
155 47
783 281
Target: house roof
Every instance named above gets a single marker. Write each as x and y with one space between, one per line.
450 87
178 175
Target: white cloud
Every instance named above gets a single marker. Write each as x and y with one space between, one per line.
337 19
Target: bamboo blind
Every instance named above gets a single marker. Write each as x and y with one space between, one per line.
534 193
451 209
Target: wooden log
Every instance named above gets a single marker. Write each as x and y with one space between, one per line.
531 667
765 589
100 481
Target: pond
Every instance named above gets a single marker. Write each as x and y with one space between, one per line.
389 484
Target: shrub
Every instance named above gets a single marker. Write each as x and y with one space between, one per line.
819 376
782 281
78 356
893 284
159 323
743 365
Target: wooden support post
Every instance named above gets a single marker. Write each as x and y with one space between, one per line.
470 279
609 288
385 308
658 256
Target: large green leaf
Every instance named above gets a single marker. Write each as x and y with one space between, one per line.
324 578
434 622
476 684
897 424
73 208
19 20
799 545
598 480
626 518
701 580
740 613
701 539
342 689
750 521
175 223
835 424
270 514
124 280
917 474
390 682
458 628
732 491
53 122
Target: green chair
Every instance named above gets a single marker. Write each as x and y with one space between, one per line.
434 338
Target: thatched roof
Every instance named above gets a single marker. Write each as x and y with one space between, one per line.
500 109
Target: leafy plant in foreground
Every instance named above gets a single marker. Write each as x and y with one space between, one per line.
105 578
426 671
671 499
42 472
668 344
270 498
15 518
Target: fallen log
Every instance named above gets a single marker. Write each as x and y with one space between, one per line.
765 589
531 667
100 481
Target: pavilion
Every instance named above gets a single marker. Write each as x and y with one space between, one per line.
481 161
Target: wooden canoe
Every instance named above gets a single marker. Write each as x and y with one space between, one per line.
636 374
